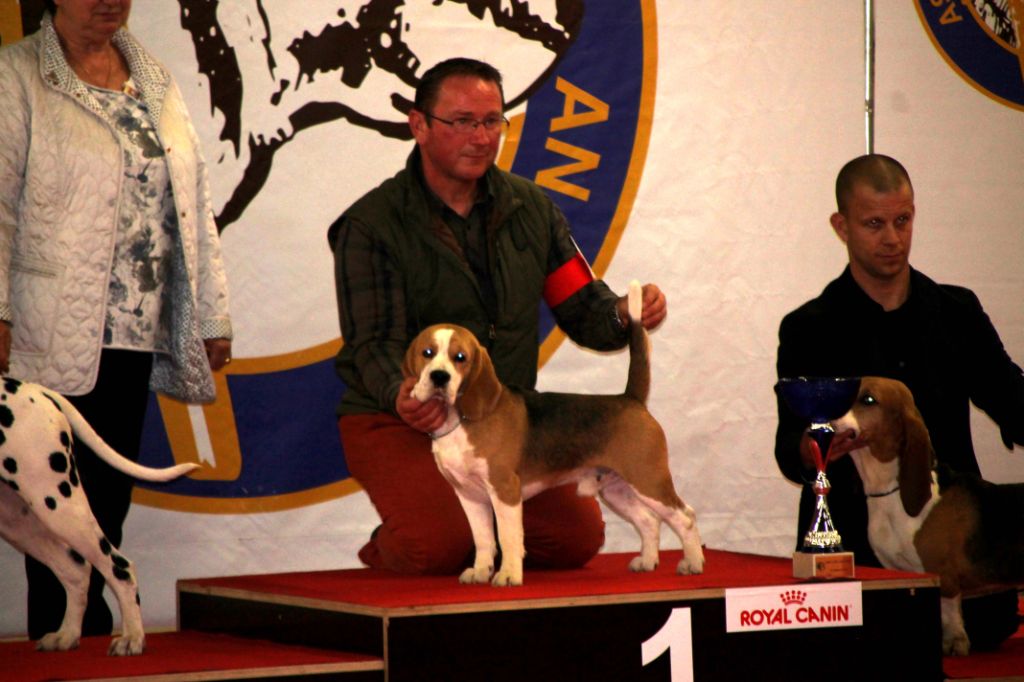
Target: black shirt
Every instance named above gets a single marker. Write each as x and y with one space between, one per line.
940 343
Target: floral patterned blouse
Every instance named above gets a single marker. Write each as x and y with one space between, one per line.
138 311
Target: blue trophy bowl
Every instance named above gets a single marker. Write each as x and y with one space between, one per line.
819 399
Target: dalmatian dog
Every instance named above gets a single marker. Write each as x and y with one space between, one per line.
44 511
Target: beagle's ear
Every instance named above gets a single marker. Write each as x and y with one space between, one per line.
916 460
412 355
481 388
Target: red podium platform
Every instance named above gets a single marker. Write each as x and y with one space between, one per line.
587 624
573 625
186 657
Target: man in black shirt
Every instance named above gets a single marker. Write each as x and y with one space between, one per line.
881 317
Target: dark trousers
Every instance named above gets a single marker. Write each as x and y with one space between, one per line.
116 409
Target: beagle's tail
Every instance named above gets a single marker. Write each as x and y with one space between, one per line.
638 382
88 435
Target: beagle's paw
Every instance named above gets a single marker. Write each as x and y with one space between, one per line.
955 644
57 641
476 575
642 564
508 578
691 564
127 646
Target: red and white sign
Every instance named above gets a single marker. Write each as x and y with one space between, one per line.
792 607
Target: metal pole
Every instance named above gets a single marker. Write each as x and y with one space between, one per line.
869 76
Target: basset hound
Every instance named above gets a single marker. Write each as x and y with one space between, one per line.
968 531
44 511
501 446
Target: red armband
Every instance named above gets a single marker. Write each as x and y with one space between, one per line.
569 278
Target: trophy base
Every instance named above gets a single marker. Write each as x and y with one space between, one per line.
830 566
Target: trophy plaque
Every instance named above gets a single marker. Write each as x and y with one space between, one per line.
819 400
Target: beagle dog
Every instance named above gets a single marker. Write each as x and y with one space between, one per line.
966 530
44 511
500 446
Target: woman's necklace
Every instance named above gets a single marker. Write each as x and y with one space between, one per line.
98 77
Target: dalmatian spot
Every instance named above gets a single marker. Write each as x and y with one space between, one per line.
65 489
59 462
11 385
65 439
13 486
3 437
105 546
121 574
6 416
138 598
50 502
76 557
120 561
10 465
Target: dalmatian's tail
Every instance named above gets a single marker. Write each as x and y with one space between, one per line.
87 435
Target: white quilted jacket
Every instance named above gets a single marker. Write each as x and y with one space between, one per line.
60 183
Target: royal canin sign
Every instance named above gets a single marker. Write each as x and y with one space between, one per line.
815 605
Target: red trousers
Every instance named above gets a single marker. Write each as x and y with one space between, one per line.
423 528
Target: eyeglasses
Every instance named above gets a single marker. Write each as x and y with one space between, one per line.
466 126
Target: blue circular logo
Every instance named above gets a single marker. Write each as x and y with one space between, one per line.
981 41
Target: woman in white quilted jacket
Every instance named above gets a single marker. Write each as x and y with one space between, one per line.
111 280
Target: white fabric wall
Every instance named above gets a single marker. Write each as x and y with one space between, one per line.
758 104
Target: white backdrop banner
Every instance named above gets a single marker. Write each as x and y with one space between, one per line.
694 145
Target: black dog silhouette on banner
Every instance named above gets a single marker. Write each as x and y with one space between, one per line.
346 48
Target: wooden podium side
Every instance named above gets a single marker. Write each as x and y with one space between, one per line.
573 625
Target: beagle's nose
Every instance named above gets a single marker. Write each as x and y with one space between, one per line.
440 378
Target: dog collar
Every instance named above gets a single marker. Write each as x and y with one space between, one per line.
435 435
886 494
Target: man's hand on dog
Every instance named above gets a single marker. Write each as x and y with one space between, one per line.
655 307
427 417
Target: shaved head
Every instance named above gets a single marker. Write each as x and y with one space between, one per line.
881 173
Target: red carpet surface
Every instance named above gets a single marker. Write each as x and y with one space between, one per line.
1005 664
606 574
170 653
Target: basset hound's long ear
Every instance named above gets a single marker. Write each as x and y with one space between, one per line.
481 388
916 459
412 354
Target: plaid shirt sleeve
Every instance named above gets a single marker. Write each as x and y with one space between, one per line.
372 310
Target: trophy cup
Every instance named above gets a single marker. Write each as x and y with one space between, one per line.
820 400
